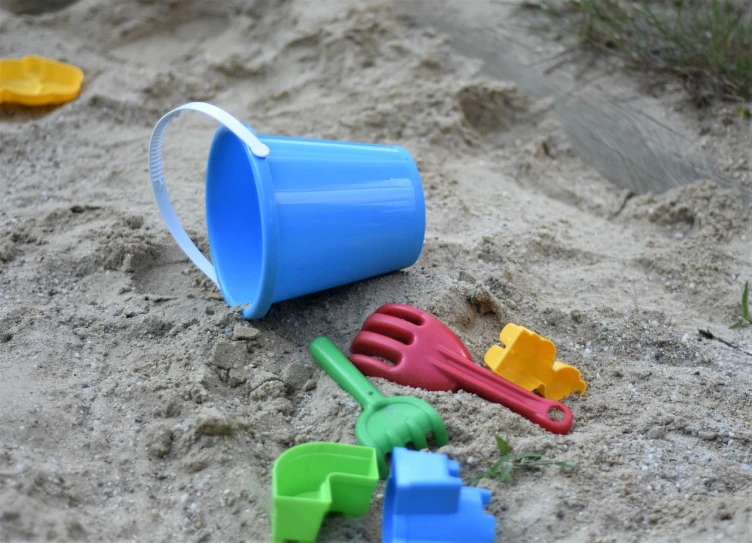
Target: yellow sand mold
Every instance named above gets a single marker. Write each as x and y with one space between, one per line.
37 81
529 360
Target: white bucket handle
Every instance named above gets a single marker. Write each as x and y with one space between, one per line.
156 172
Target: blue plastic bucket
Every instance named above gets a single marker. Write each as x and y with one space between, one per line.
291 216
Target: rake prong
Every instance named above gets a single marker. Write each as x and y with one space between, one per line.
404 312
417 434
394 439
393 327
373 344
372 367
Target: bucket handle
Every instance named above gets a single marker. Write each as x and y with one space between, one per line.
156 172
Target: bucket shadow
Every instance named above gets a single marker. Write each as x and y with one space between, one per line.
161 272
338 313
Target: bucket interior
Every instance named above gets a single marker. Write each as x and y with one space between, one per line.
234 220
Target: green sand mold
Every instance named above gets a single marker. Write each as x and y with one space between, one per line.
313 479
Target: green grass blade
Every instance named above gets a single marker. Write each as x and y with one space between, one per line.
505 449
485 475
561 464
529 456
745 307
505 475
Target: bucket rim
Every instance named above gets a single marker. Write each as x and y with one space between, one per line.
261 301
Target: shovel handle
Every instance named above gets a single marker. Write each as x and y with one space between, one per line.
339 368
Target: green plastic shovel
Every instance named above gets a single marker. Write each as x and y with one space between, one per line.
385 423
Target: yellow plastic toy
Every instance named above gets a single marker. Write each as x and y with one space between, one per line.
529 361
37 81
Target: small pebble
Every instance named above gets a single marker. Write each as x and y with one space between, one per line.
309 385
242 332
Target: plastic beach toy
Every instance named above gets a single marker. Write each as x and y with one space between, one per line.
313 479
425 353
37 81
425 501
293 216
385 422
530 361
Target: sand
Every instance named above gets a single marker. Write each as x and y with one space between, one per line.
135 405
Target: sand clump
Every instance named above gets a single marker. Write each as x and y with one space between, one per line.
700 210
137 406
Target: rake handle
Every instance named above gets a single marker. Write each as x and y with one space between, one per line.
339 368
486 384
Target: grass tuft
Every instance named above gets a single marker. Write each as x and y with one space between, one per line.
509 462
745 318
706 44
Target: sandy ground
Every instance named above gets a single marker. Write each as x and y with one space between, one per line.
136 406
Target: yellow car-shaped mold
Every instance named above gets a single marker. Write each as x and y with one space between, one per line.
37 81
529 360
